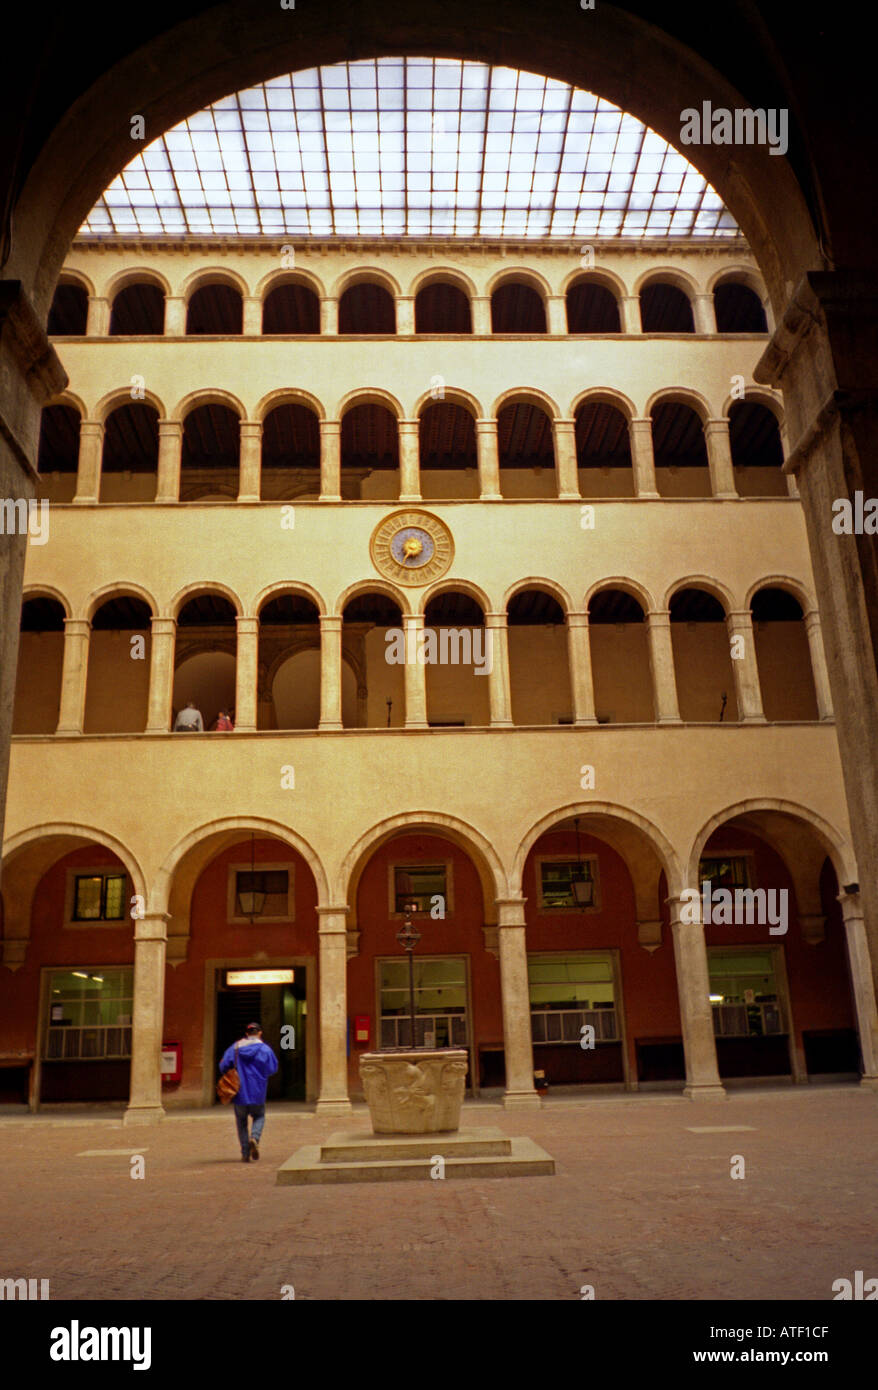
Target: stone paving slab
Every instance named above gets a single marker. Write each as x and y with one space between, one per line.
641 1207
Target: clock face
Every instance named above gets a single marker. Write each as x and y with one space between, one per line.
412 547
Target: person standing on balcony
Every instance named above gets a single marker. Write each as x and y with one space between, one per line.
189 720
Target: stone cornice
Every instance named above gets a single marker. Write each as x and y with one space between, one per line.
735 247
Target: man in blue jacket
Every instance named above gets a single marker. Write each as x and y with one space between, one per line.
256 1063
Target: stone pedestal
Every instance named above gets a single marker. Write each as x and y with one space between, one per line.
417 1092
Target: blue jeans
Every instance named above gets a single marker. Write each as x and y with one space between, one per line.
241 1113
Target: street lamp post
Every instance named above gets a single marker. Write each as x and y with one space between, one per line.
408 937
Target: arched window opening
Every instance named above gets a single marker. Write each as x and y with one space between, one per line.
40 665
455 651
664 308
291 454
539 670
738 309
592 308
68 315
366 308
58 453
517 308
371 645
783 656
680 451
138 310
702 658
442 308
205 657
448 454
129 467
119 652
757 452
215 310
288 695
603 451
291 309
210 456
620 659
527 451
370 452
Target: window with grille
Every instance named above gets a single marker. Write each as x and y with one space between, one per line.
89 1014
743 993
569 991
99 897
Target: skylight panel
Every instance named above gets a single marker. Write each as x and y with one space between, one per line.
414 146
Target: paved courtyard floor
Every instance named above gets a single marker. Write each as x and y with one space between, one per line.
642 1206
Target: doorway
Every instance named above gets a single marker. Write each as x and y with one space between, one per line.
281 1009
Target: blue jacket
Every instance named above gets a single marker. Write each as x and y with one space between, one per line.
256 1063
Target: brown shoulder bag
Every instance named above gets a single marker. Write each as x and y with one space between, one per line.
230 1082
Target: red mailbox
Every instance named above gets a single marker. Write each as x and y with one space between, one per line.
172 1063
362 1030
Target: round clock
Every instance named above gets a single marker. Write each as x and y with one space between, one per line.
411 547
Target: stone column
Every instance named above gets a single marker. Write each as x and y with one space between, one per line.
97 323
329 315
480 308
745 669
333 1099
579 656
251 326
330 460
246 675
862 986
88 476
409 461
703 313
819 672
515 995
564 432
661 665
405 315
719 458
330 671
161 675
489 460
696 1014
145 1097
629 305
822 357
74 674
250 461
499 690
643 458
415 673
556 314
175 316
170 454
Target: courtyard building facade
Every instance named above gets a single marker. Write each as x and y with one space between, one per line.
489 550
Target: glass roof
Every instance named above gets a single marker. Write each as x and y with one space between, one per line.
411 147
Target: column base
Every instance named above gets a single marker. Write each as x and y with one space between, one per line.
85 501
726 496
339 1106
416 724
570 497
491 497
329 497
639 496
410 497
333 725
753 719
705 1092
580 723
869 1083
143 1115
501 724
522 1100
665 721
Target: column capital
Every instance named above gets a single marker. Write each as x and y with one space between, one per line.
716 423
578 619
94 428
640 422
661 617
408 426
153 926
487 425
510 912
248 627
77 627
163 627
333 920
330 426
172 428
851 906
742 617
251 429
331 622
496 620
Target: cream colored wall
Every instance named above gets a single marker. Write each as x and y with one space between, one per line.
620 667
538 674
38 682
703 667
118 684
785 671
